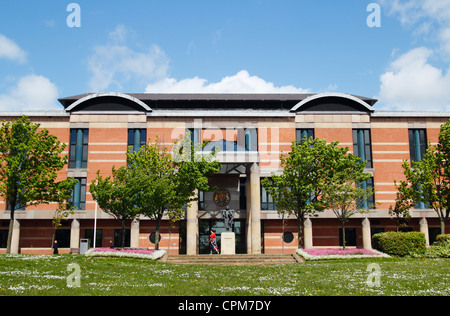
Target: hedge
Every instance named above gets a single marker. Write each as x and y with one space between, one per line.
440 239
399 243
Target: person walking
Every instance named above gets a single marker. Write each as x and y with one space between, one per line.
55 247
212 242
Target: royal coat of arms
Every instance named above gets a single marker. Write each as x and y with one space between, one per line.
222 197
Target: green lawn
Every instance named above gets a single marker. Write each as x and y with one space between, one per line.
42 275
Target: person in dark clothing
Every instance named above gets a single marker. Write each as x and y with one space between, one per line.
55 247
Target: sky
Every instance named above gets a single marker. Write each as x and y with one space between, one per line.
397 51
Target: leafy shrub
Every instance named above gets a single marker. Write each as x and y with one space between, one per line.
440 248
400 243
441 239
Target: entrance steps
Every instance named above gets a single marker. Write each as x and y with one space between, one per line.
234 259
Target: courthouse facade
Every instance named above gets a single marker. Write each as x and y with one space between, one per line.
251 131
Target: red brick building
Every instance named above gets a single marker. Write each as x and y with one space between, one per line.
251 130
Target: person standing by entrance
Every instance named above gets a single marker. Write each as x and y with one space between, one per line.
212 242
55 247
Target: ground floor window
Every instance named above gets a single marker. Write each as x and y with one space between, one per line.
89 234
118 238
350 237
218 225
3 238
63 238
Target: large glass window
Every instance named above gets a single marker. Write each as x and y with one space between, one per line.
368 203
417 148
362 146
267 202
303 132
137 138
78 198
218 225
78 152
245 139
251 139
417 143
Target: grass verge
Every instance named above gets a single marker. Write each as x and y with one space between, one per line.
48 275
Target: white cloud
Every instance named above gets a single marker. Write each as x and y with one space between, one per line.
31 93
412 83
429 18
115 64
241 82
10 50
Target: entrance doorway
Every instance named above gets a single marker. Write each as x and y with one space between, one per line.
218 225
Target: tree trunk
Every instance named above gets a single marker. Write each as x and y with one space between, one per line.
122 235
343 234
11 225
442 226
300 219
158 224
10 231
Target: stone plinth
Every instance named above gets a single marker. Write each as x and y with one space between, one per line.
228 241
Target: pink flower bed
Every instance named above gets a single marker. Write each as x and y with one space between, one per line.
140 251
137 253
338 251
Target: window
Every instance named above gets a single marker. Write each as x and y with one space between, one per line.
267 202
78 154
370 202
242 193
63 238
78 198
3 238
137 138
201 200
362 145
118 238
350 237
417 148
251 139
302 133
417 144
89 234
195 136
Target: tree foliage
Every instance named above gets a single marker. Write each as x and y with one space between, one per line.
155 182
343 191
309 170
30 160
116 195
428 180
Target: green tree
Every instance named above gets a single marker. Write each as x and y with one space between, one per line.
30 160
62 212
117 196
429 179
307 171
169 179
343 192
400 212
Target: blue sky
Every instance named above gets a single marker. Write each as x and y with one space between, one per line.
226 46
